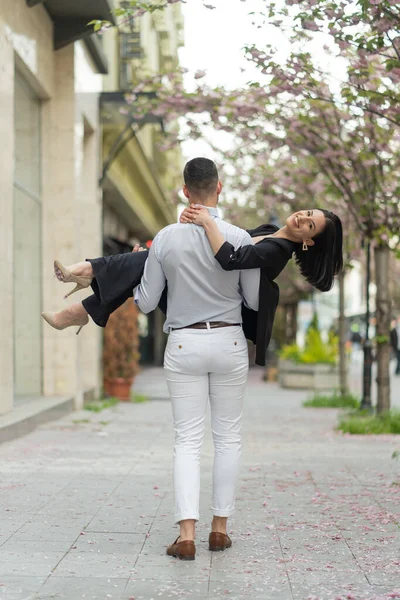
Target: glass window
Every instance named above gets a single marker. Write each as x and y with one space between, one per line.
27 243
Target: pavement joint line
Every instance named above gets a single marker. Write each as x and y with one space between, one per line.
79 535
392 518
144 541
283 558
280 438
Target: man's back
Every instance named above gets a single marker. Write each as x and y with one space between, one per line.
198 288
203 364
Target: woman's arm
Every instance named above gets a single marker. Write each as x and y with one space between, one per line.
201 216
267 255
260 256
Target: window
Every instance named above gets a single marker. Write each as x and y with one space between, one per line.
27 242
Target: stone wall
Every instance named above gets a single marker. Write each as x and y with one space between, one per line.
70 196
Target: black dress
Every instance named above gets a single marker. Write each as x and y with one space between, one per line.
271 256
115 277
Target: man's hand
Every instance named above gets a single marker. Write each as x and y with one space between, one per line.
196 215
138 248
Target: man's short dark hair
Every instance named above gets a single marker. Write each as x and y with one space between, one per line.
201 176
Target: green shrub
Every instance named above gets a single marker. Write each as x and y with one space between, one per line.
315 350
318 351
101 404
290 352
139 399
333 401
365 424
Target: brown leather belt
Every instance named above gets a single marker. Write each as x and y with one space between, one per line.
212 325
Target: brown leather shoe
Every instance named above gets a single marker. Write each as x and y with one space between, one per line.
183 550
218 541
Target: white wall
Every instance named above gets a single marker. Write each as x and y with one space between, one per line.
71 207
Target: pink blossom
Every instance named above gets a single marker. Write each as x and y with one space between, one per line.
311 25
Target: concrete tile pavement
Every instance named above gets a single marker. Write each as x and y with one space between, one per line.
86 508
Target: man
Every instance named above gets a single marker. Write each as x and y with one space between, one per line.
395 342
206 355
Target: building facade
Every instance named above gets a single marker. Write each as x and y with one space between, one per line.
50 205
139 180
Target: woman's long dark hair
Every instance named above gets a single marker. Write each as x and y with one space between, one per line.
321 262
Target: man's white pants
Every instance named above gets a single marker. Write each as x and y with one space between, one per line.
203 364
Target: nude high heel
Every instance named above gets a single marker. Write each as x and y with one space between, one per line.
63 274
55 321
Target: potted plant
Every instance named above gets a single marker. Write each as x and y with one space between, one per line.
120 351
314 366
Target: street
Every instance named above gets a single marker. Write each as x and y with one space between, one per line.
86 507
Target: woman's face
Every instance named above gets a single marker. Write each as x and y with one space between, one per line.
305 224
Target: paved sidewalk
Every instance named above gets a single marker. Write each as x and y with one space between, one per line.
86 508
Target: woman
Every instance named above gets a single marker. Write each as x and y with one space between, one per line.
314 236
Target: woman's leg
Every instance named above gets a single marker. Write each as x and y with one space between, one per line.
110 277
73 316
91 306
81 269
117 275
100 312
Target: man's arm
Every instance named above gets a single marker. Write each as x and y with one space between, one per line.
152 284
250 286
249 280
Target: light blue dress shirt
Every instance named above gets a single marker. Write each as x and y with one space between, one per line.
199 290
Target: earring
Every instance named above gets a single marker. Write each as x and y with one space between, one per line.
305 247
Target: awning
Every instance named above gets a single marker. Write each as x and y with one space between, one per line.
131 183
71 18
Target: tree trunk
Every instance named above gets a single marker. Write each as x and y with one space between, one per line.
383 309
291 322
342 338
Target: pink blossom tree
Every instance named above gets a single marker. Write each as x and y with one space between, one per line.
344 141
365 33
350 155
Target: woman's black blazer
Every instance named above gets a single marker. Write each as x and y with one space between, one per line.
115 277
270 256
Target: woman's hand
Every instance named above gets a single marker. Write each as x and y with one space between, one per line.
138 248
200 216
196 215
